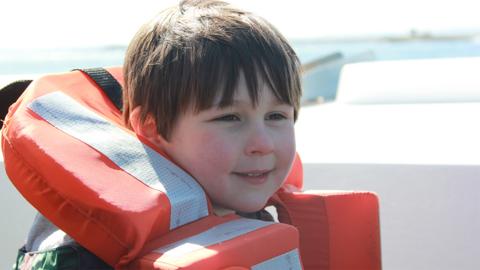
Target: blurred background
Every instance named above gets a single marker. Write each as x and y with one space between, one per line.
54 36
421 159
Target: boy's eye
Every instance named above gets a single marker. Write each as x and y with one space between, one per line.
227 118
276 116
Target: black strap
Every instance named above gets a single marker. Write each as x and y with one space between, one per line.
107 83
9 94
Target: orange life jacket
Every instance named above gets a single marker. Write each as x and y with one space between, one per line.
66 150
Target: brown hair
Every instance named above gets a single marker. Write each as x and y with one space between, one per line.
192 52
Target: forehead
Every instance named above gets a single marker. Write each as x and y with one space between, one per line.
243 94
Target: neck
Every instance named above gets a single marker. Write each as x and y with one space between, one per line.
221 211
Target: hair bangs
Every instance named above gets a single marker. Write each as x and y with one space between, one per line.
262 63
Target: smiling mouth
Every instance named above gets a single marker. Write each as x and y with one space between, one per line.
251 174
254 177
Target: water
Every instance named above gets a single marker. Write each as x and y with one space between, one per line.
390 50
319 82
37 61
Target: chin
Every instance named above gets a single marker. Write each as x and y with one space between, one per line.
250 207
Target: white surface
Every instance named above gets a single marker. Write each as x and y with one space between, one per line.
423 159
442 133
429 215
411 81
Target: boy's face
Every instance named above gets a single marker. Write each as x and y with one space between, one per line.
239 154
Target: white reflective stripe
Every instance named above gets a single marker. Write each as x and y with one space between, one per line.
188 200
214 235
289 260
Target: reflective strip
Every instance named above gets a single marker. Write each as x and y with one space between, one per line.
187 199
215 235
289 260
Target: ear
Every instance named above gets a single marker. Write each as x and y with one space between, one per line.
147 128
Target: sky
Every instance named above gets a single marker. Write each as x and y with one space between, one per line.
55 23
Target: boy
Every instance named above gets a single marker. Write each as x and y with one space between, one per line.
218 90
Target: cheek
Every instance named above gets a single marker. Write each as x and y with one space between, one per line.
286 150
211 162
210 156
286 142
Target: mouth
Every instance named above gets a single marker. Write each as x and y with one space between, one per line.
255 177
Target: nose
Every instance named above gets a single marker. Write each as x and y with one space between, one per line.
260 141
